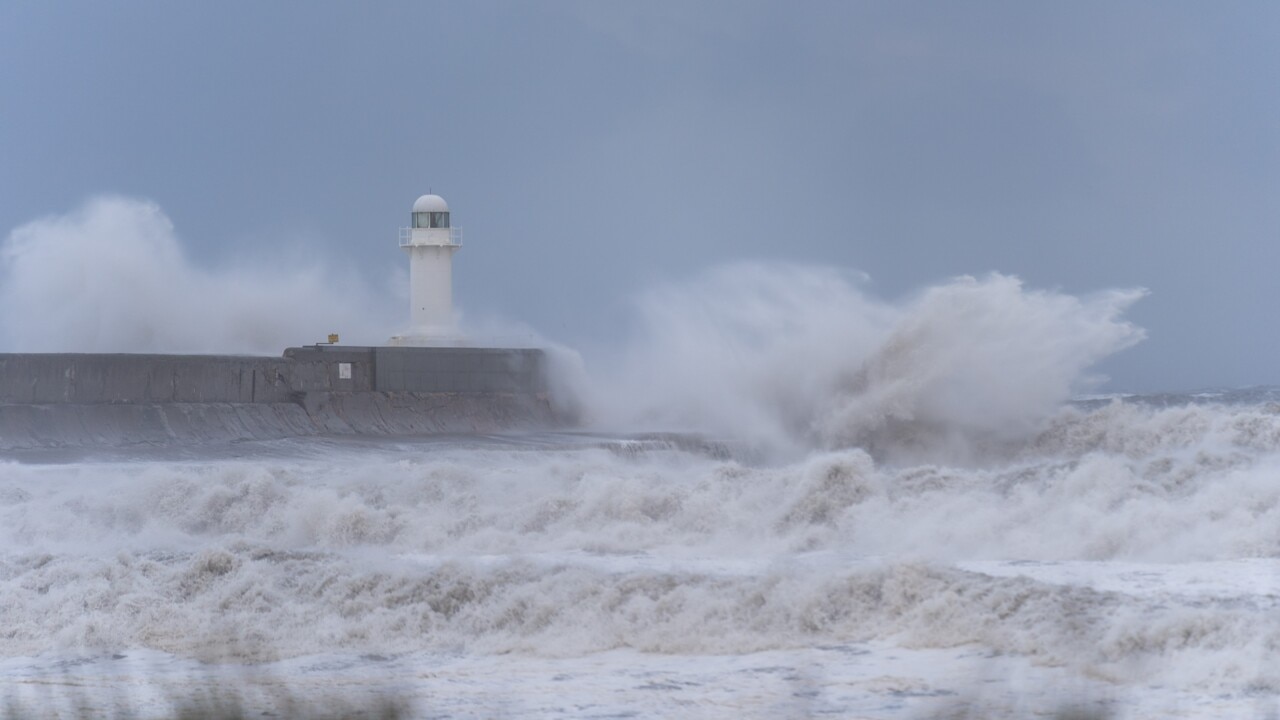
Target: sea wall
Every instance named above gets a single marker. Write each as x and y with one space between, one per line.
124 378
56 400
93 379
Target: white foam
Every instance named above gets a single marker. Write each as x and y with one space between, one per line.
1127 544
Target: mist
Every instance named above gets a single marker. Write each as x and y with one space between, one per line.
797 358
112 276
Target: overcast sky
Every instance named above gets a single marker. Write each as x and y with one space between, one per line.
591 149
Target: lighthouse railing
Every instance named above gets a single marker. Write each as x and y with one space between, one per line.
455 237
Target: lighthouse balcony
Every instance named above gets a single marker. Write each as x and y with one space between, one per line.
450 237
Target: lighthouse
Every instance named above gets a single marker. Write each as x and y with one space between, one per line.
431 240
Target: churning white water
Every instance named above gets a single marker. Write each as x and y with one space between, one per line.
819 504
1127 552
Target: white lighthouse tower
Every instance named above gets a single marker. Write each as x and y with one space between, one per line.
431 241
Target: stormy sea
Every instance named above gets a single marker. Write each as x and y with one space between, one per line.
1127 561
783 500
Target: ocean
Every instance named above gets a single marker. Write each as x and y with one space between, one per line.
1122 560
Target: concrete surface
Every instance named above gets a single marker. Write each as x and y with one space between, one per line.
87 400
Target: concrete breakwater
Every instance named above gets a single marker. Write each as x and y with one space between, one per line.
86 400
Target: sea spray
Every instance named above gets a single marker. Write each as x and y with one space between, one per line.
798 358
112 276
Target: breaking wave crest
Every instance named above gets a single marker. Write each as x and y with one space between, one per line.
799 358
274 603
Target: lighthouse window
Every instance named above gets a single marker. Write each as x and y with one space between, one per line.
431 219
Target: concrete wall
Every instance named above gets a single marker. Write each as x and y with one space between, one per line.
459 370
73 425
87 379
100 378
318 368
96 400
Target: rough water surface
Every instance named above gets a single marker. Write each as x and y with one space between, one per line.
1126 558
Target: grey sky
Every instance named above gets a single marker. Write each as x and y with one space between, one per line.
590 149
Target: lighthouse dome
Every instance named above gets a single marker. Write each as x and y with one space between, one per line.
430 211
430 203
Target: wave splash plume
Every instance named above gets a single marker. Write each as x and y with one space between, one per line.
112 277
800 358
